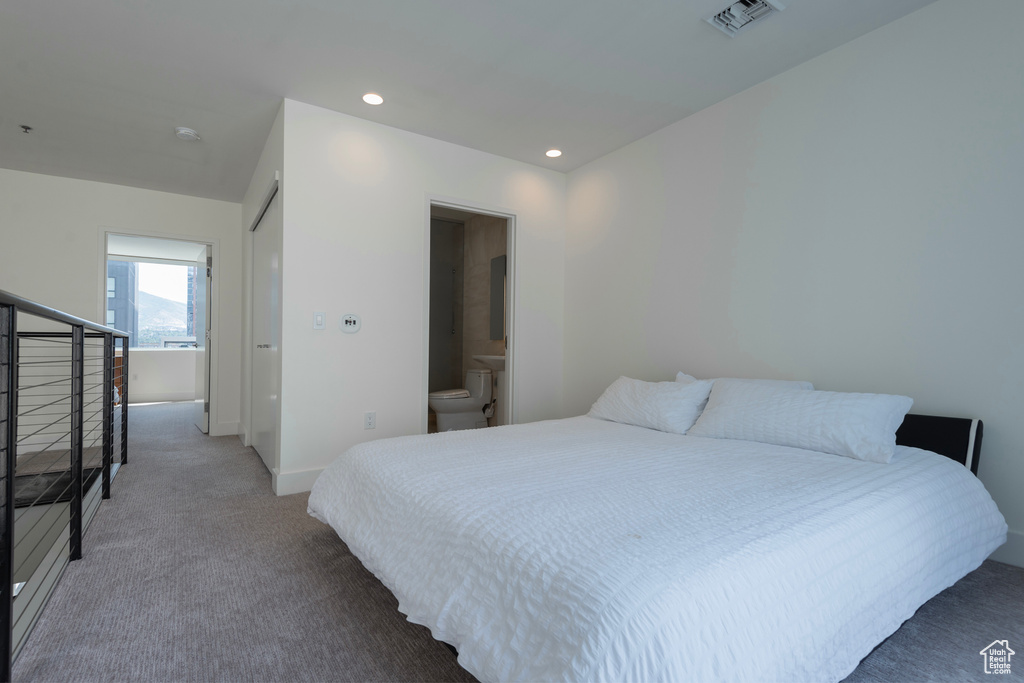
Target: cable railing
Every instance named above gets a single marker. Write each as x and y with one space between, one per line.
63 436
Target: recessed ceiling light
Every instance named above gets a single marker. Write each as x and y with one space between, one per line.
553 153
186 133
373 98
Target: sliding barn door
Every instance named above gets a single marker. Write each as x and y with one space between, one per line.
266 331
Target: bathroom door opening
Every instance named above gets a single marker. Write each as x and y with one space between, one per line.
469 302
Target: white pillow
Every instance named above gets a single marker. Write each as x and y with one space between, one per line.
795 384
861 426
778 383
665 406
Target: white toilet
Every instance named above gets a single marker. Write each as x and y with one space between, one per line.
466 408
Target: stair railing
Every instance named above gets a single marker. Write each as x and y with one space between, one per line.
63 417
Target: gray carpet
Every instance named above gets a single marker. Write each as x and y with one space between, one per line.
195 571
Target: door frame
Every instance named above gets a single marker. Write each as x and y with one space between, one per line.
203 412
213 347
508 391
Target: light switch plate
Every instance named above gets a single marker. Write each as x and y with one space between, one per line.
319 320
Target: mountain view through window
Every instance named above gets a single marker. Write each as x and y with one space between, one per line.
153 302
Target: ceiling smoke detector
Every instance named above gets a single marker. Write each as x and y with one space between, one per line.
186 133
741 15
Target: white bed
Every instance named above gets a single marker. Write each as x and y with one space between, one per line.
587 550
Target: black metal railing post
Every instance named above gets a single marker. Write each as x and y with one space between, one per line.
77 413
124 400
108 410
8 443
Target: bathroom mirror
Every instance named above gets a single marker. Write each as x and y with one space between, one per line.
498 297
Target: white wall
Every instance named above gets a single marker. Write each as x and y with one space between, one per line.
855 221
355 232
52 251
161 375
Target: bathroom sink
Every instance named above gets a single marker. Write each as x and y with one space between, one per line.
496 363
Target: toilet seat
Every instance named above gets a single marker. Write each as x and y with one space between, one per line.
449 393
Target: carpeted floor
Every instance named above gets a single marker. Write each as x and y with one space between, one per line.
195 571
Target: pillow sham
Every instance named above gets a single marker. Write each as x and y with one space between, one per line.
795 384
666 406
860 426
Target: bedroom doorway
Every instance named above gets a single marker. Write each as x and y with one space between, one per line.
158 290
469 318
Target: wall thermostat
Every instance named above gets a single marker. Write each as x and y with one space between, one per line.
350 323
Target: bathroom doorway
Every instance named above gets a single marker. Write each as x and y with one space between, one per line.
469 314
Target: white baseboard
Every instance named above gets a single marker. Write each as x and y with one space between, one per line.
1012 552
287 483
224 429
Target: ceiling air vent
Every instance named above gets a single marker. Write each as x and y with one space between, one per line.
740 16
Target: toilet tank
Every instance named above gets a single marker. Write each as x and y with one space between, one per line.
478 384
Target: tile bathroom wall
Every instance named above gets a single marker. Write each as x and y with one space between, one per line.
486 238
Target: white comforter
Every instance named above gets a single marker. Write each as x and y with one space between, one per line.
592 551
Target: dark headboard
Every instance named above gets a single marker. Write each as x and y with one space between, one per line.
958 438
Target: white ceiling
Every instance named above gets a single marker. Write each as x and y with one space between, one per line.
103 83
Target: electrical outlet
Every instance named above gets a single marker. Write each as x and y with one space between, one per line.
370 420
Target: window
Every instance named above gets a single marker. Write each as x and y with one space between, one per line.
153 302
